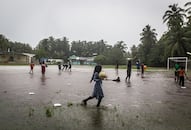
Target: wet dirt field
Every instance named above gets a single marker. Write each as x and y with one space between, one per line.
155 102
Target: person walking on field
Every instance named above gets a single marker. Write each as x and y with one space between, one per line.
128 70
181 76
43 67
142 70
176 75
97 92
138 67
31 67
59 66
69 66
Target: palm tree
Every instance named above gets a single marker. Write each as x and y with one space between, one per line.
188 27
174 17
175 36
188 11
148 34
148 39
4 43
175 43
121 45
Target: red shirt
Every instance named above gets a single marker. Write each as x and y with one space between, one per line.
181 72
32 65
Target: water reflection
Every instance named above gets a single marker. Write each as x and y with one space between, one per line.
97 118
128 83
43 79
70 72
31 75
116 72
59 72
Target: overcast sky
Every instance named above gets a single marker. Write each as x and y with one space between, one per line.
29 21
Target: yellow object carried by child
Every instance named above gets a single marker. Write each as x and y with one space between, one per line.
145 67
102 75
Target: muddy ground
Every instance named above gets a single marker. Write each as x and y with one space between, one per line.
155 102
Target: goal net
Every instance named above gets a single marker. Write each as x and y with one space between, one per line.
182 61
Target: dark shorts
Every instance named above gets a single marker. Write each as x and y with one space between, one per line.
176 73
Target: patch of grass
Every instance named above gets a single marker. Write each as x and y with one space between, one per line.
49 112
113 66
31 112
115 108
70 104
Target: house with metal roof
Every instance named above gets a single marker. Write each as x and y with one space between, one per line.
76 60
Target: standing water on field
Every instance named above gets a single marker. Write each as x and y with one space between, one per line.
53 101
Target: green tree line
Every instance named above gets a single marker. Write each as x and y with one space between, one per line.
9 46
176 41
62 49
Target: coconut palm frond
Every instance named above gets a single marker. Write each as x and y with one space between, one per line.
187 4
186 10
166 18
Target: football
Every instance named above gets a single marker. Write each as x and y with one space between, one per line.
145 67
102 75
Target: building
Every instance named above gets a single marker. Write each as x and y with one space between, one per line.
75 60
55 61
16 58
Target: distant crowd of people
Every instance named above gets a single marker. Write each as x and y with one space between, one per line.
66 66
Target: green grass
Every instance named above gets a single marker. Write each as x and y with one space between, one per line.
133 67
49 112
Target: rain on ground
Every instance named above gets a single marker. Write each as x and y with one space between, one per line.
155 102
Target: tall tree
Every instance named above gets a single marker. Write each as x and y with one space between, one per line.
188 11
187 35
4 43
100 47
116 54
148 40
175 36
53 48
174 17
134 53
65 48
121 45
77 48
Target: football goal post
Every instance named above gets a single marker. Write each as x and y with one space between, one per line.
181 60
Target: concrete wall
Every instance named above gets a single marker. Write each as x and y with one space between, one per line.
16 58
